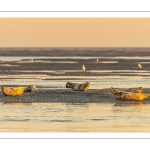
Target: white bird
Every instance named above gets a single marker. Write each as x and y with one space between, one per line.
83 68
97 60
139 65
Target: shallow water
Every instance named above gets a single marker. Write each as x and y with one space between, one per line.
118 116
95 82
17 58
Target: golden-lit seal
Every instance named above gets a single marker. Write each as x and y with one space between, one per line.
17 91
140 90
77 86
12 91
135 90
129 96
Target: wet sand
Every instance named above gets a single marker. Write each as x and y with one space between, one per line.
57 64
69 96
47 95
14 60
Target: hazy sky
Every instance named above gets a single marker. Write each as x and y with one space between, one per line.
74 32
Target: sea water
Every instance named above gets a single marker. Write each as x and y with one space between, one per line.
117 116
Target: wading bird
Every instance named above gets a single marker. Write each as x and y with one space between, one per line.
83 68
139 65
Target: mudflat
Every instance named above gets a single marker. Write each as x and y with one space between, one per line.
50 68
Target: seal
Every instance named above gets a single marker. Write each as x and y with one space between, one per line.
78 87
30 88
17 91
12 91
135 90
129 96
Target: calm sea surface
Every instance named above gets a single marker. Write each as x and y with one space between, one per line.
118 116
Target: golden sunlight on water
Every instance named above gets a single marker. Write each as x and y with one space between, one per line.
118 116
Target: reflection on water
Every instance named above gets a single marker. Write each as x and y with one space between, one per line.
120 103
44 61
118 116
17 58
8 65
107 62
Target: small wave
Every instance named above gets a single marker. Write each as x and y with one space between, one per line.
54 109
17 120
61 121
98 119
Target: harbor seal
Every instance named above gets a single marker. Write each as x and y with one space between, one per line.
129 96
78 87
12 91
135 90
17 91
30 88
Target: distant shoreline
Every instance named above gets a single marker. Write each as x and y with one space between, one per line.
75 51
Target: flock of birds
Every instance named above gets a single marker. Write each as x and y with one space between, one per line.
84 68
